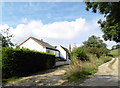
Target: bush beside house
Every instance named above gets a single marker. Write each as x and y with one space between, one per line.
21 62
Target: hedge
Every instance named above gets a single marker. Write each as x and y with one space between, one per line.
22 62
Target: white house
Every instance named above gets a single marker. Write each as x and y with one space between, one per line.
64 55
39 45
61 53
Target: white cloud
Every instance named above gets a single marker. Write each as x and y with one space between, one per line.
110 44
60 30
57 30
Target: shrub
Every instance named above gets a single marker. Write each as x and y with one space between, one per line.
21 62
80 54
88 68
74 71
79 70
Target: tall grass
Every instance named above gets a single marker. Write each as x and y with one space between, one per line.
82 69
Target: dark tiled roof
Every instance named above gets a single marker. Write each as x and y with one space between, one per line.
47 45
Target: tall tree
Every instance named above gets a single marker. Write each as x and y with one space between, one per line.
96 46
94 41
110 26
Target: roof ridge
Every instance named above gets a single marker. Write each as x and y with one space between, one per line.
47 45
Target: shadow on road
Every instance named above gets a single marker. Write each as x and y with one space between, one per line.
49 70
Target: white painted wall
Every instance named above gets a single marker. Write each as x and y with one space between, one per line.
57 53
63 55
62 52
32 45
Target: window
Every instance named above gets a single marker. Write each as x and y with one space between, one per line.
48 51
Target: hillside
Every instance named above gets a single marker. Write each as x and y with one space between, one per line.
115 52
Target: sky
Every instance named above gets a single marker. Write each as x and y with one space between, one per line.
58 23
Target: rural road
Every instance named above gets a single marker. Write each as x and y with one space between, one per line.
106 76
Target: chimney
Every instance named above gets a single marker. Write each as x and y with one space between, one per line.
41 39
69 48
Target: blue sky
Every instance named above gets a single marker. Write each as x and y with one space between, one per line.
48 12
59 23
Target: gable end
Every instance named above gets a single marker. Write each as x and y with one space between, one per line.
32 39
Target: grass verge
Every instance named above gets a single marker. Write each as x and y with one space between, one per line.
115 52
110 65
80 70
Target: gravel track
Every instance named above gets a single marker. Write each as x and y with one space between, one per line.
105 75
51 77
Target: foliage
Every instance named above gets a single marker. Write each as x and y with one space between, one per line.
110 26
80 54
21 62
93 54
80 70
0 56
94 41
95 45
6 38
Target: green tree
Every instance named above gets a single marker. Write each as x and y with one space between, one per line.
0 39
79 53
111 11
95 45
6 38
94 41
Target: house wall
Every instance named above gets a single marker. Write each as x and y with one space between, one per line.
57 53
32 45
62 52
64 55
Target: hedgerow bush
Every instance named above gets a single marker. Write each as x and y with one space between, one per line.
21 62
80 53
